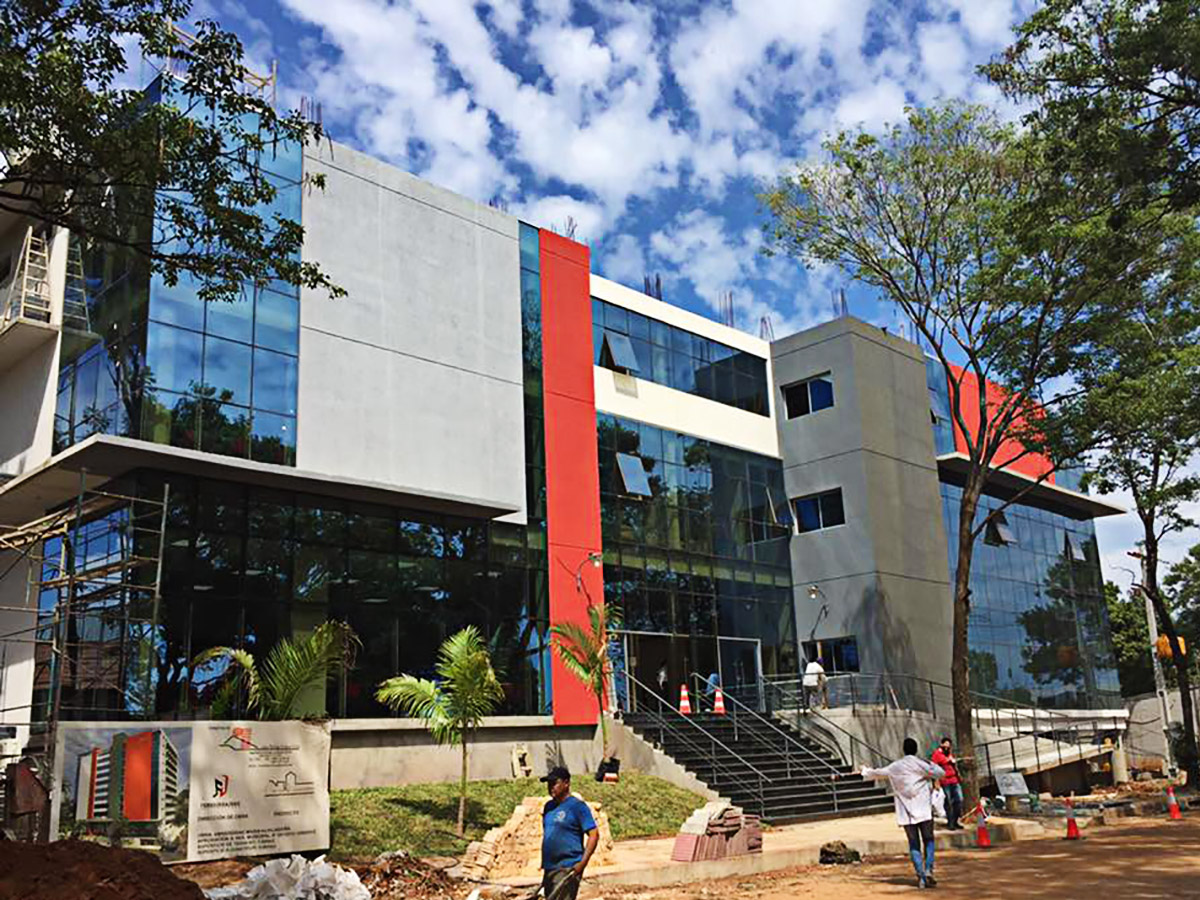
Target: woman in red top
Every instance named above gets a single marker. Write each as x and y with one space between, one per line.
943 756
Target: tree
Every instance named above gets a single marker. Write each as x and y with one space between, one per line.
1116 88
584 653
1139 393
282 687
944 216
1131 641
454 706
176 176
1182 582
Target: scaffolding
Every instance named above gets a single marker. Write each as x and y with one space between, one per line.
91 610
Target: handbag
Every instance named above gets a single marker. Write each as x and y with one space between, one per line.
937 799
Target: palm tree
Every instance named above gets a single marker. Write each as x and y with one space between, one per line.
454 706
584 651
280 687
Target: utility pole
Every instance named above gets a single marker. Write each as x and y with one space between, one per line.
1160 681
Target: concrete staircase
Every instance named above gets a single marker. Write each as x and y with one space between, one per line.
765 767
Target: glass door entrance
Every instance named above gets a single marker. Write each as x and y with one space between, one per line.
741 670
660 665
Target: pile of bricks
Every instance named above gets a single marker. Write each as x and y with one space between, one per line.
715 831
515 848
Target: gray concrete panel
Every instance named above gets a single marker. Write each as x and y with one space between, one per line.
883 575
414 377
368 412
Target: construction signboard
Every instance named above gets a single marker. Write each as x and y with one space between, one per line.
194 790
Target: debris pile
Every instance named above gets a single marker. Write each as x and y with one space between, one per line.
398 876
515 848
715 831
86 870
836 853
294 879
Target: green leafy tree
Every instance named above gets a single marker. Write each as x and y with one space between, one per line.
1139 392
584 652
1115 89
1131 641
284 684
178 183
944 216
454 706
1182 582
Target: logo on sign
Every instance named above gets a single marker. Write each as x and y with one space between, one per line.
220 786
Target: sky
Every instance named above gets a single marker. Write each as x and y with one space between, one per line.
651 126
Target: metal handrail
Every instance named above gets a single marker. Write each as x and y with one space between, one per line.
788 739
713 740
818 735
1056 744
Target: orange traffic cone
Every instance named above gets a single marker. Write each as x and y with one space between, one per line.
1173 812
685 705
719 703
983 840
1072 825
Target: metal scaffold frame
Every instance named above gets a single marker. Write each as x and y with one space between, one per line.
93 592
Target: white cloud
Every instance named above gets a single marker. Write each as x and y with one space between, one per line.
626 262
558 212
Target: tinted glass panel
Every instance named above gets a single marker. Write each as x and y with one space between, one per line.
173 358
232 319
274 382
633 475
620 351
831 509
227 370
273 439
277 322
821 392
808 514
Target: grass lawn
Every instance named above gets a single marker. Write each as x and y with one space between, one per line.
420 818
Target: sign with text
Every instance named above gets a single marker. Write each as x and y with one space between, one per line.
194 790
1011 784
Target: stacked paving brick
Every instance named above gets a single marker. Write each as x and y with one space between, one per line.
515 848
715 831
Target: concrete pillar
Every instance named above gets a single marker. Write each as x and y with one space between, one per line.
1120 765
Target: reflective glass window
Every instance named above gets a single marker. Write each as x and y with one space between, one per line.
820 393
227 370
274 381
619 352
633 475
177 304
232 319
224 429
819 511
277 322
273 438
173 358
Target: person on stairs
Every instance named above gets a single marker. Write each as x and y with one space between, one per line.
912 780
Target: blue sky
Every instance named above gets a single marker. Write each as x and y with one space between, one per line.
651 125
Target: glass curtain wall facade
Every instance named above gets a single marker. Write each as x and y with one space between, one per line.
678 359
1039 630
161 365
700 567
245 567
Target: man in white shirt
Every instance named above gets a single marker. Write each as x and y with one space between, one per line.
912 780
814 683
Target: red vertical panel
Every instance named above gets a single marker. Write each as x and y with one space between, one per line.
139 765
1032 464
572 465
91 806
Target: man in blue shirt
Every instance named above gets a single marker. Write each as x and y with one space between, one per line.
569 838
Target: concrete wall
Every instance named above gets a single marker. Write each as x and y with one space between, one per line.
27 396
16 654
414 378
882 576
379 753
28 389
1144 737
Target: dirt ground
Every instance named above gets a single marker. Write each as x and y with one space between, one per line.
1142 859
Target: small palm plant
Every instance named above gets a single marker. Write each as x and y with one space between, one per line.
454 706
282 686
584 652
